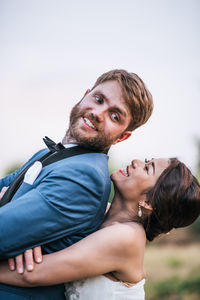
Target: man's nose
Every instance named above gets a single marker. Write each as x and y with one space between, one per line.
99 114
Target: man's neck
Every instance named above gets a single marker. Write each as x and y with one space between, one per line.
68 139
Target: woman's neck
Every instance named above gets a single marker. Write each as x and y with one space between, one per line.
120 212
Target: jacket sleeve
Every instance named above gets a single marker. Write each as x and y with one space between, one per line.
7 180
60 205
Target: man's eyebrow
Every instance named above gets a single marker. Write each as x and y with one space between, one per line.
102 95
123 112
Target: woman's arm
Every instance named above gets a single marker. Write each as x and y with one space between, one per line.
103 251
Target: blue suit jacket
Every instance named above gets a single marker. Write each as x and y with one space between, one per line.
66 202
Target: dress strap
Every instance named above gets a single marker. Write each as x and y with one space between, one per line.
127 284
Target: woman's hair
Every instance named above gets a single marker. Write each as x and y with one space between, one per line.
175 200
135 93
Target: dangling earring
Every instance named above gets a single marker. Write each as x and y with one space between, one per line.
139 211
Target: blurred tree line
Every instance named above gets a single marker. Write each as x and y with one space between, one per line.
195 228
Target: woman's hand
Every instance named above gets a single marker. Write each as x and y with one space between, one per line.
26 260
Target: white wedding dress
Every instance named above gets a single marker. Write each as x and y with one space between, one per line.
102 288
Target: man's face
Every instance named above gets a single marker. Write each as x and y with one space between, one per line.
100 118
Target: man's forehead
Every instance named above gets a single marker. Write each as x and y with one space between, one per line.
110 86
111 91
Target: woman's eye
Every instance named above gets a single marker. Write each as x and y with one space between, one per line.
115 116
99 99
146 168
146 160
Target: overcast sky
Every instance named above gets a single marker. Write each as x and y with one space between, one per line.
52 51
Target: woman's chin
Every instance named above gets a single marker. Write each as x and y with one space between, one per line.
114 175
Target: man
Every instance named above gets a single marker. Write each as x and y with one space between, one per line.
68 198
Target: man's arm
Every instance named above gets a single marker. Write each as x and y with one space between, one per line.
45 214
7 180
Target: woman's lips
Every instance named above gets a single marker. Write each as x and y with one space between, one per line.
125 172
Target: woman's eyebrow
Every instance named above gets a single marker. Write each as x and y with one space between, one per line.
154 167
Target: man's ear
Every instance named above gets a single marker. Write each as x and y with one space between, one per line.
87 92
123 137
144 204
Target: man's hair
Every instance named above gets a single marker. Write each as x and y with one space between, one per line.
137 97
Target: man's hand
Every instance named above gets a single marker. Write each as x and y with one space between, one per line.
26 260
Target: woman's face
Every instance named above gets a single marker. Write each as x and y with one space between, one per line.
138 177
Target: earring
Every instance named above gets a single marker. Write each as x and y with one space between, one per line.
139 211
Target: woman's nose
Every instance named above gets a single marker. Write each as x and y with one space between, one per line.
134 164
137 163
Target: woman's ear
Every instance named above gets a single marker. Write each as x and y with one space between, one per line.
144 204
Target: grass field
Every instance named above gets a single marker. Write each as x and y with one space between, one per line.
173 271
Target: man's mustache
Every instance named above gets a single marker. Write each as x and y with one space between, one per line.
94 119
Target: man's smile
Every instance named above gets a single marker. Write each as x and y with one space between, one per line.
89 124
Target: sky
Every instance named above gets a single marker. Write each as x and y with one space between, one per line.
51 52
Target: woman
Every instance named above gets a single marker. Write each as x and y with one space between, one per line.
151 198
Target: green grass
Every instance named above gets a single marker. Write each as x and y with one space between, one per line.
174 262
176 287
173 272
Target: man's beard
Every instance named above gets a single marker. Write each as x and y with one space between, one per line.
100 142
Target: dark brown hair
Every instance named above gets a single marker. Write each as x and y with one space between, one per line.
175 200
137 97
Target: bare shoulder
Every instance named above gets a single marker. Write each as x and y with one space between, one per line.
125 235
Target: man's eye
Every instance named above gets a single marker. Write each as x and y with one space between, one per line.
146 168
99 99
146 160
115 116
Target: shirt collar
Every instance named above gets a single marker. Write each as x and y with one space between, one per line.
70 145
